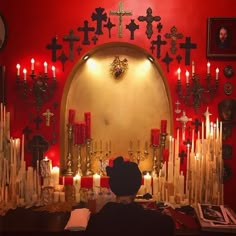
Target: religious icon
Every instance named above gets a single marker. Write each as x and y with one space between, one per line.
221 37
118 67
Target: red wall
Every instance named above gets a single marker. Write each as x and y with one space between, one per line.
32 24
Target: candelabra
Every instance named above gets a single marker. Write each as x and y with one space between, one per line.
194 93
139 157
69 152
39 89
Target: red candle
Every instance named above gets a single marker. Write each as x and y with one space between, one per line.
87 116
163 126
76 133
82 132
155 137
71 116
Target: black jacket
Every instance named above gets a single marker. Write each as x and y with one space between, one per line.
129 219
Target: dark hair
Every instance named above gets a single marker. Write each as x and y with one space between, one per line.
125 177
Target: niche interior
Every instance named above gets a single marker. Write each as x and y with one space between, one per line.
123 110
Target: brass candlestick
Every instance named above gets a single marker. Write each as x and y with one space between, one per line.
79 170
69 152
156 165
163 144
88 157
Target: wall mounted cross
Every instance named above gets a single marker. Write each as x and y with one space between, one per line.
188 46
149 18
86 30
54 47
120 13
71 38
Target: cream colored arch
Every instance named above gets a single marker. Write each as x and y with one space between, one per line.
123 110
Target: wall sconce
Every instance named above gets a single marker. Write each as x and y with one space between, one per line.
40 88
194 93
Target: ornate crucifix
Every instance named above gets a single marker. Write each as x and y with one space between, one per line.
47 114
120 13
71 38
183 119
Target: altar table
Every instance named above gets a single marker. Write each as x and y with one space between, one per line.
22 221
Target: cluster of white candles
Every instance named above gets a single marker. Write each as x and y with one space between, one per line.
203 181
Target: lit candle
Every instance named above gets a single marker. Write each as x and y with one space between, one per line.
96 182
55 175
193 68
77 183
18 70
32 64
45 165
147 183
178 71
217 73
24 72
208 67
45 67
187 77
53 72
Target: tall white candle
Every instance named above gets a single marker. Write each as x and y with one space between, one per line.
32 64
24 72
18 69
208 67
178 72
193 68
45 67
53 72
187 76
217 73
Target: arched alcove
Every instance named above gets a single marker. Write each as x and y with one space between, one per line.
123 110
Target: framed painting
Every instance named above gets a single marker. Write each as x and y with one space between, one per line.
3 31
221 37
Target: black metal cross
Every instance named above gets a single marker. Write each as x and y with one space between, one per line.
37 121
188 46
120 13
54 47
99 16
37 146
132 27
159 43
173 35
109 26
71 38
149 19
182 155
27 132
196 124
167 59
63 58
86 30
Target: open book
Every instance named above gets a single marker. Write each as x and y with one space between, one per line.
78 220
216 218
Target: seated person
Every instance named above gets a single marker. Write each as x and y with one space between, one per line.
125 217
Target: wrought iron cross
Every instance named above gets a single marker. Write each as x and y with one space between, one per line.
120 13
